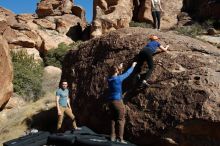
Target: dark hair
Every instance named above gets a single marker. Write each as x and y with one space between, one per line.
63 81
113 70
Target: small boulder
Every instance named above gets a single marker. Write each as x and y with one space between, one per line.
211 31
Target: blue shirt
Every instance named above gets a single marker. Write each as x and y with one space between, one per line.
115 85
64 95
153 45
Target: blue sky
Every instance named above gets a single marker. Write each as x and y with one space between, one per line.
29 6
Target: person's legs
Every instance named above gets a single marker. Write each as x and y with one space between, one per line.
136 73
120 113
157 13
140 60
113 136
150 63
69 113
112 116
60 119
121 121
154 19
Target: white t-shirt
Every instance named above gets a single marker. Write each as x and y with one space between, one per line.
155 5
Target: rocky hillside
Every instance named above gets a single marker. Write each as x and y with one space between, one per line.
112 15
53 23
183 101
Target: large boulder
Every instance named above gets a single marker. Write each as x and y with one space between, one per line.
6 77
79 12
45 24
110 15
51 39
51 78
54 7
144 11
181 107
7 18
171 10
202 9
7 15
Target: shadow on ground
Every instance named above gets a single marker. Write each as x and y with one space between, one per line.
47 121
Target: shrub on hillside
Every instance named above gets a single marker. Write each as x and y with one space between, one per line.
28 75
140 24
54 57
211 23
192 30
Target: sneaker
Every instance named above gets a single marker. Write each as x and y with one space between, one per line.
113 139
138 77
144 84
123 141
77 128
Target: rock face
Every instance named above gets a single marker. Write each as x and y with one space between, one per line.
6 77
202 9
110 15
54 7
171 10
45 30
184 19
51 78
182 106
142 12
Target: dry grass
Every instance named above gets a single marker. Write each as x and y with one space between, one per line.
14 121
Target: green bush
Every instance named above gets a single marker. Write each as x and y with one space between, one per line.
54 57
28 75
140 24
192 30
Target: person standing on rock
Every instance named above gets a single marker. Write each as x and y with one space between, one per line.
63 105
146 55
156 12
117 107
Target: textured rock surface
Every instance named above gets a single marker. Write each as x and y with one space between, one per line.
184 19
80 12
144 10
45 33
185 102
51 78
215 40
54 7
6 73
171 10
201 9
110 15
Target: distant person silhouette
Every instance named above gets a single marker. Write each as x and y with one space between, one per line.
156 13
